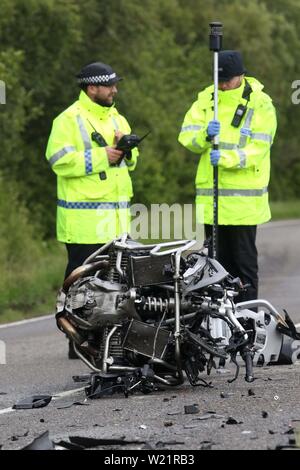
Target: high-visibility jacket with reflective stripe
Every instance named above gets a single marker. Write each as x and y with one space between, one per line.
244 165
93 197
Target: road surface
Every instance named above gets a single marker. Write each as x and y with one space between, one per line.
264 411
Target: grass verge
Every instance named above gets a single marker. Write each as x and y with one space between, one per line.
283 210
30 290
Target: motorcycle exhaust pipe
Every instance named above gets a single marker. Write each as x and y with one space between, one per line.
64 325
82 270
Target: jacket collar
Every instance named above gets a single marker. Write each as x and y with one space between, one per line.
232 95
94 108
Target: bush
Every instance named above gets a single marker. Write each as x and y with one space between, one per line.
31 270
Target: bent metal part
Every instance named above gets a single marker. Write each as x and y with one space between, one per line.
142 315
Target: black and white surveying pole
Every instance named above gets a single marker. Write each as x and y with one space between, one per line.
215 45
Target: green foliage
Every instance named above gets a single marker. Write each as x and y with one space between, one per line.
31 270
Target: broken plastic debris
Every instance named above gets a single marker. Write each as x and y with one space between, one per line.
36 401
42 442
191 409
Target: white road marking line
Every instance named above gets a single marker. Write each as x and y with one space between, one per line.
56 396
30 320
6 410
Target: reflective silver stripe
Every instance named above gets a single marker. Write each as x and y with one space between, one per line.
248 119
61 153
233 192
261 136
227 146
191 128
242 156
115 124
84 134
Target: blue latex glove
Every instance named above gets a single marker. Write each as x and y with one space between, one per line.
215 157
213 128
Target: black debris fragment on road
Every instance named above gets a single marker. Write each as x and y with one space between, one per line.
191 409
231 420
36 401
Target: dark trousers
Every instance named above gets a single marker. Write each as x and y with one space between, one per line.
237 253
77 253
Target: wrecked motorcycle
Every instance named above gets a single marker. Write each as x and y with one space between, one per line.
143 315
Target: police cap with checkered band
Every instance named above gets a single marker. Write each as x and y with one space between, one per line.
97 73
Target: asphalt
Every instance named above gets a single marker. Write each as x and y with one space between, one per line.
264 413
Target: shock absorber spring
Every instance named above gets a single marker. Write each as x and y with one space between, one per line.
156 304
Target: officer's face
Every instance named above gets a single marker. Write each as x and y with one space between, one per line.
234 82
103 95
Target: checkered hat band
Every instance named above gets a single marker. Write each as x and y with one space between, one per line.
97 79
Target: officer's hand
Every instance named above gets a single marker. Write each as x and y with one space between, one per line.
118 136
215 157
113 155
213 128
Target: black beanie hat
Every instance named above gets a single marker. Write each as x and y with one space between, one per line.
230 65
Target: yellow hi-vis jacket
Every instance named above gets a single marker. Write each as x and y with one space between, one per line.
93 197
244 165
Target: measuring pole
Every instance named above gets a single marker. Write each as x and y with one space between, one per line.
215 45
